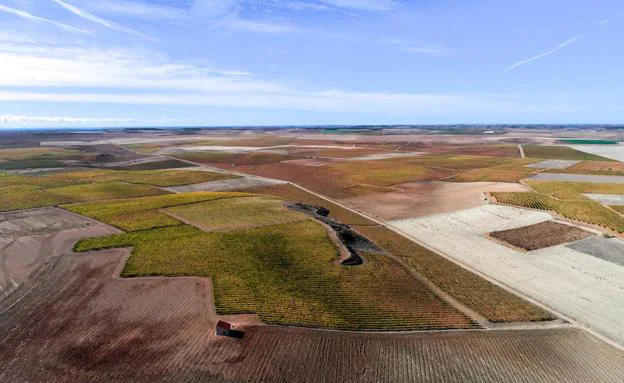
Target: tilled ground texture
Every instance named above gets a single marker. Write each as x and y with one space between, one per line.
79 324
541 235
33 239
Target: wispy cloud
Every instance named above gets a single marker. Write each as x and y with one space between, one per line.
549 52
427 50
82 75
29 16
431 50
559 47
364 5
30 120
98 20
142 10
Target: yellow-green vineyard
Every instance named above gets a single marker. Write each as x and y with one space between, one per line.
585 211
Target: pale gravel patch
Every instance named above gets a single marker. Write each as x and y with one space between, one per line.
563 177
225 185
553 164
609 249
580 286
607 199
615 152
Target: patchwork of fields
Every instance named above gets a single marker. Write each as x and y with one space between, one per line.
56 188
581 286
184 239
279 264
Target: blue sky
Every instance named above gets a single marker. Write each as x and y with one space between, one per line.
303 62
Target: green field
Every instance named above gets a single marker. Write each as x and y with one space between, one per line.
236 213
31 164
496 304
286 273
135 214
574 190
52 188
159 165
161 178
104 190
559 153
20 197
588 142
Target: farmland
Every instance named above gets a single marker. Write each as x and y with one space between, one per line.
55 188
559 153
126 277
579 285
615 168
135 214
19 197
350 179
284 273
235 213
148 177
107 329
496 304
585 211
588 142
540 235
104 190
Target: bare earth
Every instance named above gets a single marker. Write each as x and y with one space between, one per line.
425 198
78 323
580 286
33 238
541 235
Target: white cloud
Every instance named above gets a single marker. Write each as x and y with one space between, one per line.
141 10
428 50
431 50
544 54
50 66
30 120
31 17
98 20
364 5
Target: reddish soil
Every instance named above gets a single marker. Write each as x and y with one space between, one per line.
541 235
488 150
426 198
31 239
80 324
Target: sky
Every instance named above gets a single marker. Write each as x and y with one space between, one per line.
309 62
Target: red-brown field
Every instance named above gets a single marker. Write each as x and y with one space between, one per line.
488 150
425 198
541 235
80 324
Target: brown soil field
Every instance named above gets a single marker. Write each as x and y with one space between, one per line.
615 168
31 239
488 150
78 323
425 198
541 235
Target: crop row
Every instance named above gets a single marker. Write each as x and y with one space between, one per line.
288 274
585 211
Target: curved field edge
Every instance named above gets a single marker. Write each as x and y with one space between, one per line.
288 275
480 295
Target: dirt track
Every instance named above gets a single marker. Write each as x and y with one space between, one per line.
79 323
